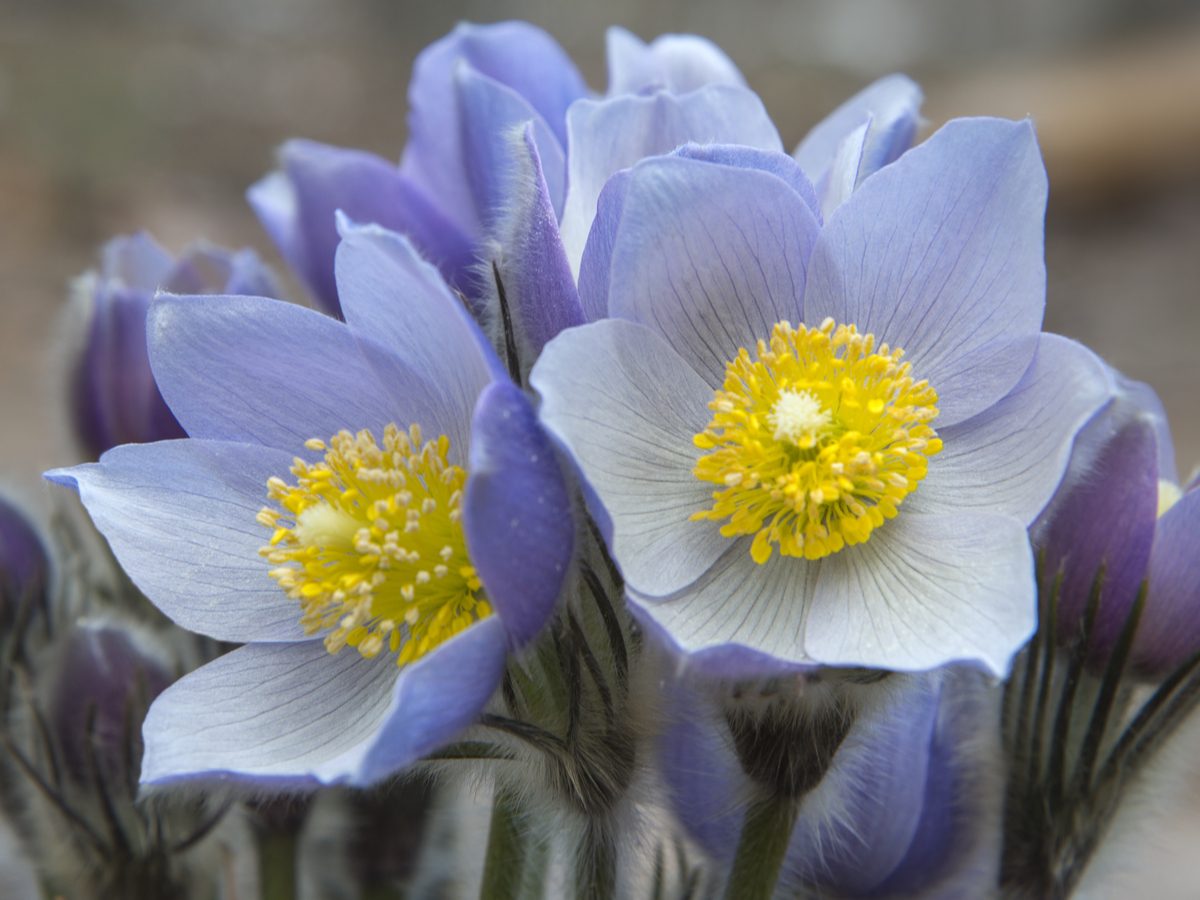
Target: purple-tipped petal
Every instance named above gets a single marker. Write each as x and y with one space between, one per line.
778 164
1169 632
627 406
288 715
518 56
266 372
610 135
437 697
890 108
297 207
941 254
538 286
516 512
180 518
396 301
24 563
491 113
677 63
1011 458
926 590
710 257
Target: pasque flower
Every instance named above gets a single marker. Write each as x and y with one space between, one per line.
907 805
368 506
824 442
469 91
113 396
1121 514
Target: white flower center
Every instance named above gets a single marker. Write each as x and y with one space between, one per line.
798 418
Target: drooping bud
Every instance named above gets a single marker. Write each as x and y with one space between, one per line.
114 399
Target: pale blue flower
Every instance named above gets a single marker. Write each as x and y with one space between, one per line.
909 549
282 488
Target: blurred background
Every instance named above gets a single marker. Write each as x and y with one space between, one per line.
118 115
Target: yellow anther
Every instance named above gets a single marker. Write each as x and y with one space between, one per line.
348 537
815 441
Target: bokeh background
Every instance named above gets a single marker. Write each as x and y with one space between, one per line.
117 115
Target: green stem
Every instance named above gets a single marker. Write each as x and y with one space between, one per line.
506 851
277 866
762 848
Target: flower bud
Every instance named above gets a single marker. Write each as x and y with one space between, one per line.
113 397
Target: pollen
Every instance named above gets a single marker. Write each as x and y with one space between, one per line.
815 440
369 542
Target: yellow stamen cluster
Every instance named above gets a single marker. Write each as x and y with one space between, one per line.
370 542
816 441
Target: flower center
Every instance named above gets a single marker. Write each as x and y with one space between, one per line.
370 542
815 441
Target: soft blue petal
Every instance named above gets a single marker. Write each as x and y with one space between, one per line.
627 407
610 135
436 698
179 516
596 267
266 372
710 257
926 590
516 512
395 300
941 254
491 113
516 55
1169 633
672 62
891 109
136 261
956 847
1011 458
284 715
856 826
538 286
778 164
297 206
844 173
760 609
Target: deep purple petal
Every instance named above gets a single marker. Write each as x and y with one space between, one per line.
610 135
538 286
297 206
24 563
1104 515
180 518
516 511
941 254
262 371
1170 626
516 55
710 257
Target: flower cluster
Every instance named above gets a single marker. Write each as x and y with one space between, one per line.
656 473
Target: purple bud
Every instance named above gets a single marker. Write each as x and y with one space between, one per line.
114 399
1169 632
24 566
105 678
